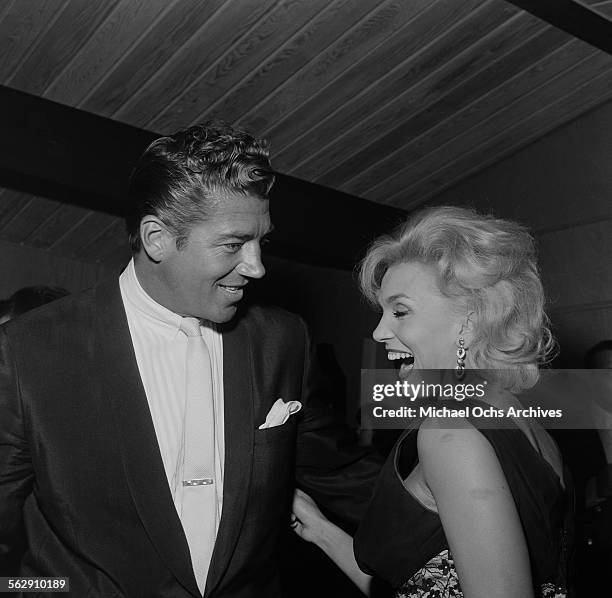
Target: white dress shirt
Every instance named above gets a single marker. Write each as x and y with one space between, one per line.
160 349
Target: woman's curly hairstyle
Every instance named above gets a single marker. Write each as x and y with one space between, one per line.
488 266
178 177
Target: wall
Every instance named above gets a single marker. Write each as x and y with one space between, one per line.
561 187
23 266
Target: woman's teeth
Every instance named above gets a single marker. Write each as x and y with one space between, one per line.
393 355
403 359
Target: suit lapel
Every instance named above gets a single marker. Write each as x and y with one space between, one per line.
239 437
142 461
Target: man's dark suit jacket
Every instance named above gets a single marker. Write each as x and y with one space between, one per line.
82 478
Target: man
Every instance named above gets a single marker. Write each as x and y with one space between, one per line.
128 468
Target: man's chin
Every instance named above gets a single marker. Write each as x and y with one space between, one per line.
223 315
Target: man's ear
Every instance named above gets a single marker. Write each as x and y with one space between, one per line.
155 238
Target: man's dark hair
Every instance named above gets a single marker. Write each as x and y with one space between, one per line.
178 177
29 298
590 357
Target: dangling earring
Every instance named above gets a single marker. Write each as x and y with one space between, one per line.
460 369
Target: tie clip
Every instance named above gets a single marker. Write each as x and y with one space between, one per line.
198 482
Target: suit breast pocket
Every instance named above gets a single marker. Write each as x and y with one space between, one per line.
277 435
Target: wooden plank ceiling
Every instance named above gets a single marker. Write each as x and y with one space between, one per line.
389 100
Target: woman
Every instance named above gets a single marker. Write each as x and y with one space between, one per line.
458 510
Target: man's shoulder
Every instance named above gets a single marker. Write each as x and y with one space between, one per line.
272 314
270 320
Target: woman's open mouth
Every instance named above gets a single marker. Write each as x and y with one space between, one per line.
403 361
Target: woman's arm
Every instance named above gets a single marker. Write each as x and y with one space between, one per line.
477 510
311 525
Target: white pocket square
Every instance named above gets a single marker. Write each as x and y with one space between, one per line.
280 412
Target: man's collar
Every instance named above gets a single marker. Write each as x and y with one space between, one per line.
140 300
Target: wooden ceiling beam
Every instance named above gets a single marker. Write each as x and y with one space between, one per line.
574 17
62 153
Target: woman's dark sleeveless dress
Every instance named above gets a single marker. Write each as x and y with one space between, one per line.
402 542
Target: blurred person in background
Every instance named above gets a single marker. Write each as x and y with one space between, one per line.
28 298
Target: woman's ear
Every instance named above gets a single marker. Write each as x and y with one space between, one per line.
155 238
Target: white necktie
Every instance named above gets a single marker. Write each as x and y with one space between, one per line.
199 497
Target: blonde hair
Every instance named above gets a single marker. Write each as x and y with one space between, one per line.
488 265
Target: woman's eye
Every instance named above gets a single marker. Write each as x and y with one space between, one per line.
400 313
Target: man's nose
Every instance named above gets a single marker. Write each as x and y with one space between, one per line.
381 333
251 264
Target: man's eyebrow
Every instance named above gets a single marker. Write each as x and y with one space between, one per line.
242 236
235 237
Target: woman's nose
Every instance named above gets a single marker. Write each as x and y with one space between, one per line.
381 333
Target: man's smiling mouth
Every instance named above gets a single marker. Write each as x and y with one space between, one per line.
233 290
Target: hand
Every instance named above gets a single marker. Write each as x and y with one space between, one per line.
311 525
307 521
